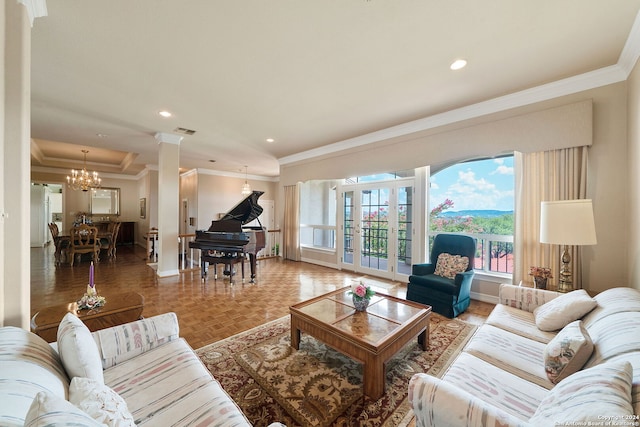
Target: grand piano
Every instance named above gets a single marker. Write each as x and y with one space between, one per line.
227 241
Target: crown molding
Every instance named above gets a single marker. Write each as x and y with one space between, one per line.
591 80
235 175
631 50
35 8
170 138
65 172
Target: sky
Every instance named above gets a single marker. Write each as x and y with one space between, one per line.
483 184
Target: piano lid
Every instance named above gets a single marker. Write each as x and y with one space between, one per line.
245 211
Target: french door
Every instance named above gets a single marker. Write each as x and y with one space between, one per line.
378 228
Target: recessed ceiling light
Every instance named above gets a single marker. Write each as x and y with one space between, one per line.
165 113
270 140
458 64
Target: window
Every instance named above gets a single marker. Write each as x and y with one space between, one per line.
477 198
318 214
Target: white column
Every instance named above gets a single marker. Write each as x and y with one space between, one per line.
15 111
168 203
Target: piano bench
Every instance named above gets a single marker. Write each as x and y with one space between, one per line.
227 260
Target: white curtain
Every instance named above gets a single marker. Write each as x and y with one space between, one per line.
291 228
545 176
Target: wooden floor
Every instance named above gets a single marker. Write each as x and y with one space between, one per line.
207 311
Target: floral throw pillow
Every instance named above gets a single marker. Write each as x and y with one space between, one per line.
100 402
449 265
567 352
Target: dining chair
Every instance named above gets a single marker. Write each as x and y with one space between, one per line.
84 240
61 245
113 229
106 239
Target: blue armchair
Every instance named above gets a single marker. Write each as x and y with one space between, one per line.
446 296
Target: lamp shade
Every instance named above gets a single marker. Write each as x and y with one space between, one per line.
567 222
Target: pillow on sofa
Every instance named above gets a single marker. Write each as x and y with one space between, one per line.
567 352
588 395
560 311
78 351
449 265
100 402
50 410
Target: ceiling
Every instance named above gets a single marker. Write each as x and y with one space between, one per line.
305 73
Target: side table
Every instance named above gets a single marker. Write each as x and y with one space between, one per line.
119 309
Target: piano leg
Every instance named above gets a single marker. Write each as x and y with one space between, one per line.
203 268
252 263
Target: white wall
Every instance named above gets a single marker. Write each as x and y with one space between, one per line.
38 219
219 194
632 250
597 117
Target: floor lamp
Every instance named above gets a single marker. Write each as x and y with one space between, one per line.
567 222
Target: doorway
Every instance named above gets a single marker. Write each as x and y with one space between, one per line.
378 228
46 207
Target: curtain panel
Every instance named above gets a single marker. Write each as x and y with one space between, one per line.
291 228
545 176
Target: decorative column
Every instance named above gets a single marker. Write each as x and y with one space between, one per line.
15 135
168 203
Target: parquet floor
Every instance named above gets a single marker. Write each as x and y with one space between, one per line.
207 311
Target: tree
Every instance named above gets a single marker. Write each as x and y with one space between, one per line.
456 224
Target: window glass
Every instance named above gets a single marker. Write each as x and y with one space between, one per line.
477 198
318 214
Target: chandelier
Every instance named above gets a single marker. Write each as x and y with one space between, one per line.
246 188
83 180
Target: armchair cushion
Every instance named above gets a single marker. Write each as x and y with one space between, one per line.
449 265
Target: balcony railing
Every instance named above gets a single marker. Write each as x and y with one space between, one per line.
318 236
494 252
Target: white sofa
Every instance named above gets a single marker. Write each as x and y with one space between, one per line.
151 377
503 377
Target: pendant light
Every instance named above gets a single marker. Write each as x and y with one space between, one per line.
246 188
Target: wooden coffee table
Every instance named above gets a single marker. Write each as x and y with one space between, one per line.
371 337
119 309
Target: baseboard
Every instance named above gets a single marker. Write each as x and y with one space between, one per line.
317 262
492 299
168 273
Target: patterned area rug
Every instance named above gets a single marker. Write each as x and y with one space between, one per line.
317 385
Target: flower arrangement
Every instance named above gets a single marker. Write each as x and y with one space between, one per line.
543 272
91 299
361 291
81 218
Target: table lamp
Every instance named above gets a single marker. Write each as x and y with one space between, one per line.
567 222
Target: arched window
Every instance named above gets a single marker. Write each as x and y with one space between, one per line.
477 198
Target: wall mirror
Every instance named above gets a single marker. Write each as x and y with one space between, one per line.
105 201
